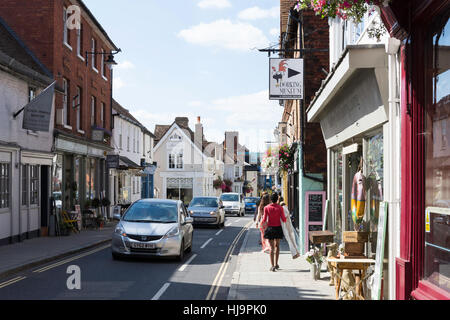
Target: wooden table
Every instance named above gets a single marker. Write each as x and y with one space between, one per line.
351 264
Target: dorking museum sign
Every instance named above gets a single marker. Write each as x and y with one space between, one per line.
286 79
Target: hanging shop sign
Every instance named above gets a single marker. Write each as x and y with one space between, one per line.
38 112
286 79
112 161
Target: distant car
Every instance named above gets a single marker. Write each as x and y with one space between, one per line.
233 203
207 211
57 195
153 227
251 204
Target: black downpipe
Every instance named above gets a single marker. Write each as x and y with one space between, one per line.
302 113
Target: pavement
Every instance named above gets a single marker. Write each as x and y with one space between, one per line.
252 279
33 252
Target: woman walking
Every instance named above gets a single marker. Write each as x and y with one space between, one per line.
289 232
262 227
274 215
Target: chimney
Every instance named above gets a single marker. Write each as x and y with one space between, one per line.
198 135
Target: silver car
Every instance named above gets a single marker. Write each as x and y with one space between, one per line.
207 211
153 227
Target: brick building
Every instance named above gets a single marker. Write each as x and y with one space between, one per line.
83 116
304 30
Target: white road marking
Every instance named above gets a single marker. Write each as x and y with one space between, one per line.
228 224
161 291
206 243
219 232
9 282
184 266
238 220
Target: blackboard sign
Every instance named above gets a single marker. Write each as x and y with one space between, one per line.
315 207
112 162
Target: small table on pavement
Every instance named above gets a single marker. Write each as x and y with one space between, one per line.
351 264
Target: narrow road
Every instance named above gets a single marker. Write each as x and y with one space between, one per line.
204 274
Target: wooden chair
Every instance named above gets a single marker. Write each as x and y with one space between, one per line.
72 222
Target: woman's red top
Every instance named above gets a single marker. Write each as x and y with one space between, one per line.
272 214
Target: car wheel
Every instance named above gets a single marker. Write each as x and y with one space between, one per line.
180 257
189 250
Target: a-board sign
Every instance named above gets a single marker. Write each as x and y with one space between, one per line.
315 207
382 222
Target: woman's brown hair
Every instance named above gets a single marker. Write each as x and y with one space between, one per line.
264 201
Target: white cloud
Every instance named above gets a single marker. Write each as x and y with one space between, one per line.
255 13
225 34
219 4
118 83
274 32
125 65
196 104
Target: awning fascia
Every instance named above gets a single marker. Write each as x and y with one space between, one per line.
353 58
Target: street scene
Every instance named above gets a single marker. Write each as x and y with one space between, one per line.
219 150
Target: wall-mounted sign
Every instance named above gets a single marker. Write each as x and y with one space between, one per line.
37 113
286 79
98 135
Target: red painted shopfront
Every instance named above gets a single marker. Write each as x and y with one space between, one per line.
423 266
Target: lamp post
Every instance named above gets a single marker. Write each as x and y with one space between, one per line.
110 59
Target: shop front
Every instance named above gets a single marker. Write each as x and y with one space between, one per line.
422 266
353 110
79 173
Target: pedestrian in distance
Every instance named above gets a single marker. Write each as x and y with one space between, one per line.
274 215
265 201
289 232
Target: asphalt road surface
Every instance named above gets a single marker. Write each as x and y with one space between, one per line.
204 274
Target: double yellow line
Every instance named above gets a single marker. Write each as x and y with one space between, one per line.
60 263
9 282
212 294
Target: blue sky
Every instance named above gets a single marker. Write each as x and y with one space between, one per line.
195 58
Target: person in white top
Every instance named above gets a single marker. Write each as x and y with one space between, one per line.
289 232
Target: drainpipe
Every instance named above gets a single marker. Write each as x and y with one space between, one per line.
19 162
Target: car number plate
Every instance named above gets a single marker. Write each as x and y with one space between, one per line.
202 219
143 245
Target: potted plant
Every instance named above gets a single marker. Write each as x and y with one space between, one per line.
64 228
315 259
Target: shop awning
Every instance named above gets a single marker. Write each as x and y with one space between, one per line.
355 57
127 164
354 97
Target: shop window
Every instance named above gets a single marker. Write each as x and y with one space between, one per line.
437 164
5 177
338 192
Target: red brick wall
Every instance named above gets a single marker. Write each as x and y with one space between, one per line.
39 23
314 150
285 6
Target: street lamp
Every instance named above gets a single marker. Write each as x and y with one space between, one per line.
109 61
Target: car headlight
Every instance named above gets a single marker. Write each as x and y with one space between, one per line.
212 213
191 212
120 231
175 231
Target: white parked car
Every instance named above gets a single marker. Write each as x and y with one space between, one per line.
234 203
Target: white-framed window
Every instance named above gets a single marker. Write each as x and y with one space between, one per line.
176 160
134 139
80 41
103 69
5 181
237 172
24 185
66 31
128 143
120 135
93 110
66 96
77 103
34 185
102 114
94 48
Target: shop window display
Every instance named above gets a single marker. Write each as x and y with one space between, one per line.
437 170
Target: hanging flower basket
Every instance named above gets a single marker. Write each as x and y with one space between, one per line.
286 156
344 9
